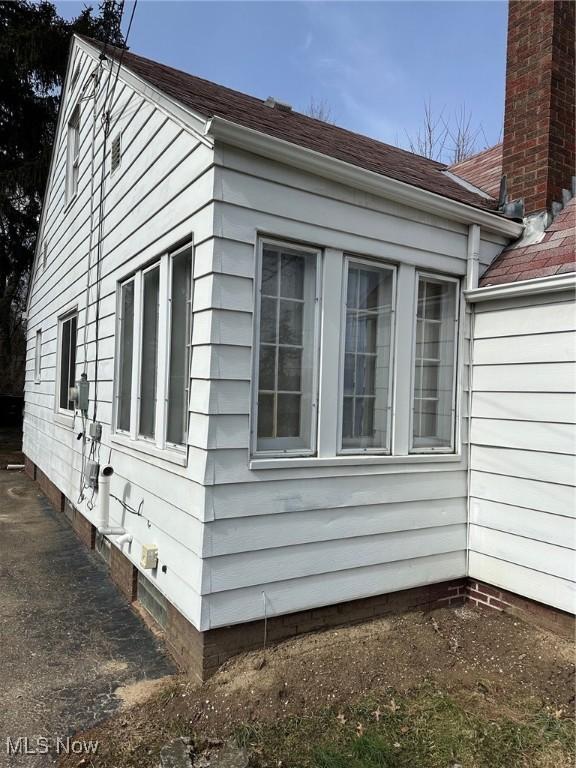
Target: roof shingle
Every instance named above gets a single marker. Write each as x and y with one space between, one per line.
555 254
209 99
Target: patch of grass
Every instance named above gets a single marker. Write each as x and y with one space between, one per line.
425 729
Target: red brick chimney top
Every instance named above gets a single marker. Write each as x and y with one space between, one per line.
539 130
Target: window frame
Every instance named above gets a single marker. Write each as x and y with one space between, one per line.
38 357
316 252
451 449
62 319
73 154
375 264
157 443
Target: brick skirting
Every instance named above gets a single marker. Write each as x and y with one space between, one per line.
201 653
541 615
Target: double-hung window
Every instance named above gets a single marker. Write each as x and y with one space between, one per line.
154 346
73 154
287 343
353 356
38 357
433 409
67 333
367 369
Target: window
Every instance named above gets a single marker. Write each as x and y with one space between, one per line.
126 322
152 376
366 401
287 349
67 365
115 153
180 346
73 154
38 357
152 599
433 408
149 351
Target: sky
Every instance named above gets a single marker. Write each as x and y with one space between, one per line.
375 64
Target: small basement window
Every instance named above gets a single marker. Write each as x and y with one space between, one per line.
152 599
116 152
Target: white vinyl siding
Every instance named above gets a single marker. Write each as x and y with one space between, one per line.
523 457
434 406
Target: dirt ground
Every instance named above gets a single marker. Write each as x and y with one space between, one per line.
490 662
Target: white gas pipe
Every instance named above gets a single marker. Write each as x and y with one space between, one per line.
103 509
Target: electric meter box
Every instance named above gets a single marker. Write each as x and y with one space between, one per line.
91 473
83 388
149 558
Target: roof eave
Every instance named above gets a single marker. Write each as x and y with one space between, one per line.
360 178
550 284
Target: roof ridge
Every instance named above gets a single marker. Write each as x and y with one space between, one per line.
475 155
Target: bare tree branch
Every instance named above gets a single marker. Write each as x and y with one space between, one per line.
320 109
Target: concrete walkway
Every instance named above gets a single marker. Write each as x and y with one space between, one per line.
68 639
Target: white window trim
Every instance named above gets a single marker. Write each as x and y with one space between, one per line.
157 445
455 367
387 449
38 357
72 160
331 275
61 320
292 452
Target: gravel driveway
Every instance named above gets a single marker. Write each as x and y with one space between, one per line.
68 640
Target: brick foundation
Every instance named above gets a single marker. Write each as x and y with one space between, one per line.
532 612
199 654
123 574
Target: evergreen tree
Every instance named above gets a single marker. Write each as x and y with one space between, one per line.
34 46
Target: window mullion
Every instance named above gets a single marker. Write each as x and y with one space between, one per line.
332 311
404 348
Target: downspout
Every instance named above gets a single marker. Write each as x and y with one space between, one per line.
472 274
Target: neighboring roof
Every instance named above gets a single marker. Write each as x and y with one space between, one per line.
209 99
484 170
555 254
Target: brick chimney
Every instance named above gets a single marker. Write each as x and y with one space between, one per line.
539 131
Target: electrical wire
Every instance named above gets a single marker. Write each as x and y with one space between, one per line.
108 100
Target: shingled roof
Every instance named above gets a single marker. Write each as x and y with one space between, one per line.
555 254
484 170
209 100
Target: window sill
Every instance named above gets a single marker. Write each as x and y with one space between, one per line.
140 446
351 461
64 419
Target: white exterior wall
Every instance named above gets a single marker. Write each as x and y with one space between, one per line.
522 506
159 195
304 533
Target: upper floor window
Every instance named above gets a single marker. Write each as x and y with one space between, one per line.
433 411
287 351
67 333
73 154
152 383
38 357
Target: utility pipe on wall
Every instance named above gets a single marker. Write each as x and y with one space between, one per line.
103 508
